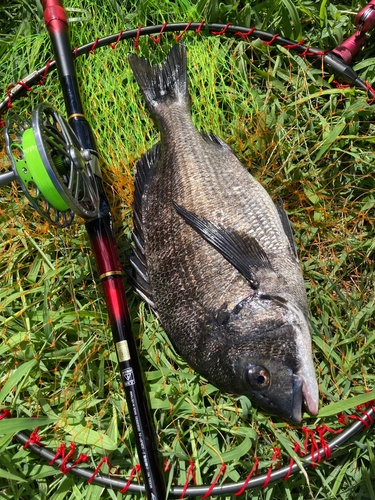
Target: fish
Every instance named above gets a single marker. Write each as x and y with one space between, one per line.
215 257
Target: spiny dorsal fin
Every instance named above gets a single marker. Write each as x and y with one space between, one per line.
211 138
242 251
286 226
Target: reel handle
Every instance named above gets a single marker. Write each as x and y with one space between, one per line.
7 178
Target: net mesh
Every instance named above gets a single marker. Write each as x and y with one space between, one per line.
304 141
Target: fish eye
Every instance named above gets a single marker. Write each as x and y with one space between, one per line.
258 377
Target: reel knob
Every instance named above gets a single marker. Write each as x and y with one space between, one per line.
54 172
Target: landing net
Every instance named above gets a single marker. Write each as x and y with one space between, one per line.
306 141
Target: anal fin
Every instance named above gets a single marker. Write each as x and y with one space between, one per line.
141 287
138 275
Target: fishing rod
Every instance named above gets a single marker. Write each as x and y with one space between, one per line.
103 243
56 162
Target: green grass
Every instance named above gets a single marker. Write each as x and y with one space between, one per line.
303 140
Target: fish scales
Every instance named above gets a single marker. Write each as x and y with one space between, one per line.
222 271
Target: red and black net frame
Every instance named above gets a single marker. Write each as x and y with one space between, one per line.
104 246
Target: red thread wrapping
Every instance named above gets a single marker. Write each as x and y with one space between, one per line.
200 27
113 45
271 41
137 38
276 454
294 46
178 37
9 105
81 458
157 40
41 82
93 47
368 86
340 85
369 404
24 85
306 52
341 418
314 446
220 33
60 451
6 413
254 469
296 448
136 468
75 52
317 53
34 439
245 35
222 470
65 459
355 417
323 442
103 460
190 471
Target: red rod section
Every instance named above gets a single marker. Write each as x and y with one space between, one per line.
102 238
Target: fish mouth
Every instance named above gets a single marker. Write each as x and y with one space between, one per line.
302 399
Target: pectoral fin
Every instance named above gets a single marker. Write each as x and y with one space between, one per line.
242 251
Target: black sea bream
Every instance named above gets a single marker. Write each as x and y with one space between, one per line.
215 258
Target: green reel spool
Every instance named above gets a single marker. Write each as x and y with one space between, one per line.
54 172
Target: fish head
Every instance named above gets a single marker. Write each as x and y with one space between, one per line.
271 357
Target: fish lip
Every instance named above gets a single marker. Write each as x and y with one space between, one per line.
311 403
302 397
297 399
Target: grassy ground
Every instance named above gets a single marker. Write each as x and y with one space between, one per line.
303 140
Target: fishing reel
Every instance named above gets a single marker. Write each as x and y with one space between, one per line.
54 171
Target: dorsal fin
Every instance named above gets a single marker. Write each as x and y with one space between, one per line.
286 226
211 138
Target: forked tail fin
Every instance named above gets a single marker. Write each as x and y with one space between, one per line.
163 85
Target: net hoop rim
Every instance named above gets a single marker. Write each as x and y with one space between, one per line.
109 481
208 29
37 77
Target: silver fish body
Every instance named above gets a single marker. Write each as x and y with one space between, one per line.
215 258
